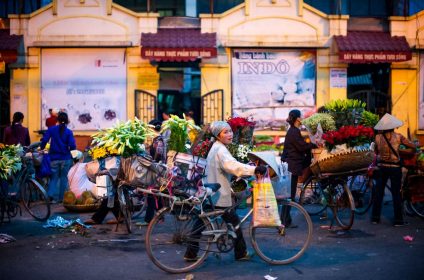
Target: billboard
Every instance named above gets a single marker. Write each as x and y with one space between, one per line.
421 95
89 84
267 84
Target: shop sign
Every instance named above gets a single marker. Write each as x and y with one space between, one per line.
369 56
182 54
338 77
148 80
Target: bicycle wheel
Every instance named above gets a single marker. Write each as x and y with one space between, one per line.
341 203
285 244
311 197
362 189
170 233
417 207
35 200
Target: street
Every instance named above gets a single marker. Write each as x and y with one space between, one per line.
367 251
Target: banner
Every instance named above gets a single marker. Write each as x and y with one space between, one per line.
421 95
89 84
267 84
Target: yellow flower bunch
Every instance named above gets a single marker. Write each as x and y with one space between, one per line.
98 152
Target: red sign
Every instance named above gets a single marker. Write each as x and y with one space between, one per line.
374 56
177 54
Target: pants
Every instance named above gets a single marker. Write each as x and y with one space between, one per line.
285 212
239 244
395 176
59 179
103 210
153 204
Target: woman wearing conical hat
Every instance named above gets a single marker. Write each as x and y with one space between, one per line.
387 149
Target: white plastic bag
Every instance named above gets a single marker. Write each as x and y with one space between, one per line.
78 180
282 183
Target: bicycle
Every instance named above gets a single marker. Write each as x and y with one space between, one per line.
28 190
329 190
186 221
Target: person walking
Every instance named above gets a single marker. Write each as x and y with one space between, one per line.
62 142
297 155
387 144
221 165
16 133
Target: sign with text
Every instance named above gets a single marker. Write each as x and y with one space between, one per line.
267 84
177 54
377 56
338 78
89 84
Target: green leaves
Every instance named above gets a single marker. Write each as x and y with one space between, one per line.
179 132
326 120
10 160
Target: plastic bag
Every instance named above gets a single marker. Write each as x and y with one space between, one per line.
110 163
282 183
265 208
78 180
141 171
45 169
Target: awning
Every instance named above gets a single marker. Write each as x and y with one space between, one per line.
9 46
372 47
178 44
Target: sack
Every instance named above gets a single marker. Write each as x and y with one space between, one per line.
282 183
110 163
158 149
189 165
141 171
45 168
78 180
265 208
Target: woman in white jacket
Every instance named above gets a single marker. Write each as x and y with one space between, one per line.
221 165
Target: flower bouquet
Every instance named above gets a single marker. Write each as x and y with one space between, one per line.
179 132
240 151
352 136
203 142
10 160
242 129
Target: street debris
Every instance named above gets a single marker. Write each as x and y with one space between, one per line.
269 277
408 238
74 226
6 238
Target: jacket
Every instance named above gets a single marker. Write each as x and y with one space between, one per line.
21 137
295 151
60 145
220 166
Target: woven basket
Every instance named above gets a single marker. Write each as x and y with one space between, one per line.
82 208
343 162
316 153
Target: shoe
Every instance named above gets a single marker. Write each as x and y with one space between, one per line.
247 257
400 224
90 222
114 221
142 224
375 221
191 259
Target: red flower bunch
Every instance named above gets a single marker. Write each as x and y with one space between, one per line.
202 148
240 122
350 135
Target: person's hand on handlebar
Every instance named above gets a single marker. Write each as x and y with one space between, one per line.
260 170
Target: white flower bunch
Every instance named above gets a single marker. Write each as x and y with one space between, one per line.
242 151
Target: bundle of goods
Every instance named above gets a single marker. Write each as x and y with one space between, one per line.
347 137
86 202
10 160
242 137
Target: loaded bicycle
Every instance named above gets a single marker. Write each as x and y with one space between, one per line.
26 189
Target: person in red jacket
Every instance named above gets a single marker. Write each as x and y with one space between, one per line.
52 120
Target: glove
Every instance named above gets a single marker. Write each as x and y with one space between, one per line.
260 170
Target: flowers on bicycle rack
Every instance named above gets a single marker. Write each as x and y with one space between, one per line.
179 132
10 160
242 129
124 139
350 135
202 148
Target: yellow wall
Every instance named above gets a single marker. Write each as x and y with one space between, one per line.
404 99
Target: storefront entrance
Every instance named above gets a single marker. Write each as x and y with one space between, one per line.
370 83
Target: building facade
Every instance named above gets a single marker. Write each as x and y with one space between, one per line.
102 62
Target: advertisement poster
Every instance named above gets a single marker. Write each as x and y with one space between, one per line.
338 78
267 84
89 84
421 95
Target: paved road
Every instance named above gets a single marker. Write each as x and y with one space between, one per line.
365 252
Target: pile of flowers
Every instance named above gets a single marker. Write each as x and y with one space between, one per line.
350 135
10 160
242 129
124 139
240 151
179 132
202 148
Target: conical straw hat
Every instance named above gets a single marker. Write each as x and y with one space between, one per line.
268 158
388 122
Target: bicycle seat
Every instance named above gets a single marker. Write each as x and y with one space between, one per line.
212 186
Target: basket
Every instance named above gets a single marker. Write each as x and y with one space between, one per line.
82 208
343 162
316 153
